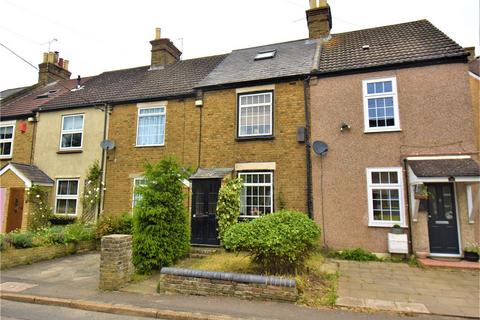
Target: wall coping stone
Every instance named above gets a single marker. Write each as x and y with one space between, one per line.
230 276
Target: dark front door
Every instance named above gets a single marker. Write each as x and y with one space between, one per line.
442 219
204 208
15 209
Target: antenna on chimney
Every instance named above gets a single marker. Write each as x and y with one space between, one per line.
50 43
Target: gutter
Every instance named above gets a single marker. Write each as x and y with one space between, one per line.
409 218
306 99
106 110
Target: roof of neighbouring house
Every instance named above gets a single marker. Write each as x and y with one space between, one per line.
24 104
30 172
445 168
293 58
474 66
390 45
8 92
141 83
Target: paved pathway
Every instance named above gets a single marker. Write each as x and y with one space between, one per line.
393 286
76 277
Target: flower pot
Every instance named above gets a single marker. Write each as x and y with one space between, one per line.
421 254
470 256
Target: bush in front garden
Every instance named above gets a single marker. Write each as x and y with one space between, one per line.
21 240
160 222
76 232
279 242
114 224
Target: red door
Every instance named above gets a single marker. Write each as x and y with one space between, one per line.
15 209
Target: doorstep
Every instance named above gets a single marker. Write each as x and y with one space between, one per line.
462 264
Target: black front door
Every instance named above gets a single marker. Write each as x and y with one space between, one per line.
204 208
442 219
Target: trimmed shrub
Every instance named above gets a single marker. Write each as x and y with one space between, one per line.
40 211
228 204
56 234
21 240
160 222
114 224
279 242
3 243
357 254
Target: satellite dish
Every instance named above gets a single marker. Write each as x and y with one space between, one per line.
320 148
107 144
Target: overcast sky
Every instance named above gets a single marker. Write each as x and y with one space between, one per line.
97 36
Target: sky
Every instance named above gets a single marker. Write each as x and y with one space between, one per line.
97 36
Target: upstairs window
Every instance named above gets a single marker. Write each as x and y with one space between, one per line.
151 126
380 105
385 197
255 114
66 196
6 139
72 132
257 194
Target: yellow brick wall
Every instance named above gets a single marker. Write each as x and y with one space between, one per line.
22 143
126 160
219 147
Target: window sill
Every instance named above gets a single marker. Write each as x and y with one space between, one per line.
386 225
6 157
150 146
383 130
239 139
69 151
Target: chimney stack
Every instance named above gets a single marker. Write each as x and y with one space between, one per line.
164 51
319 19
53 68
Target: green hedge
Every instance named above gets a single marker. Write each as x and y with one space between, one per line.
114 224
280 242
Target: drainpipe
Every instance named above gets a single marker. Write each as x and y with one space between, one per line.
106 109
407 187
306 85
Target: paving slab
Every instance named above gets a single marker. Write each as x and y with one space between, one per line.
386 286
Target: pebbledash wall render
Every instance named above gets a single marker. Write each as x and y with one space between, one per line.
435 118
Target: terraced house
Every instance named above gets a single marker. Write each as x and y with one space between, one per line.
19 131
393 105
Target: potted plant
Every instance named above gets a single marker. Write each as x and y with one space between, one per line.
421 192
471 253
396 229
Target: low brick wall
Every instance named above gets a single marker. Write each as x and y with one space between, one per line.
15 257
246 286
116 267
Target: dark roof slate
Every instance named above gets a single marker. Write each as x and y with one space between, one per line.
8 92
211 173
293 58
388 45
32 173
445 168
178 79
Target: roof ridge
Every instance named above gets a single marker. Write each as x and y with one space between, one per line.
383 26
277 43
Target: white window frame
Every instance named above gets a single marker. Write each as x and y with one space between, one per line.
164 113
11 140
399 186
392 94
67 197
271 185
239 108
133 189
62 131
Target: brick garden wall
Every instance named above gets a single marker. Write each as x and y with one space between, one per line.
190 285
14 257
116 268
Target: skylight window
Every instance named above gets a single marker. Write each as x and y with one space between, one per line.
265 55
46 94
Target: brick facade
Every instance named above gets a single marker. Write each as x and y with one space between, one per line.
218 147
22 143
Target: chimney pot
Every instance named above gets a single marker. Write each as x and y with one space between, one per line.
45 57
158 33
60 62
52 68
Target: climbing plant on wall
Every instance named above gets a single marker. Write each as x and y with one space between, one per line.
91 192
40 212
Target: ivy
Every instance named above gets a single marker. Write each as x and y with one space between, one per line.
228 204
